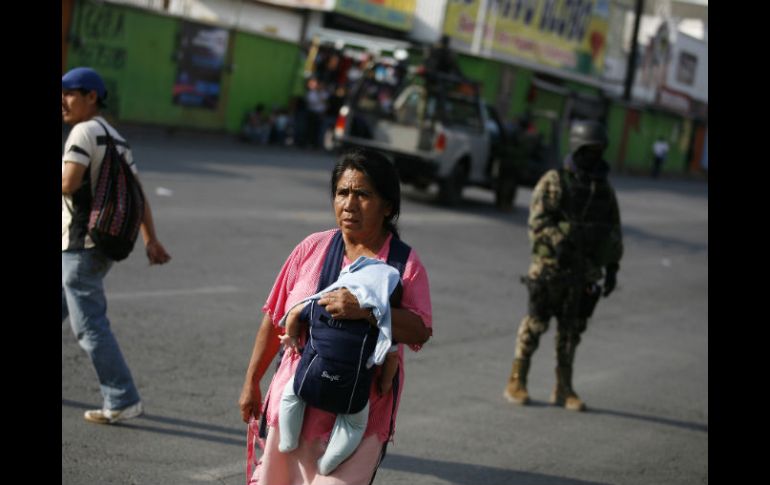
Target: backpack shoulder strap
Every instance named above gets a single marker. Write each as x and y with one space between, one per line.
109 138
109 142
106 131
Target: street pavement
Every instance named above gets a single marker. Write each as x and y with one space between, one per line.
230 213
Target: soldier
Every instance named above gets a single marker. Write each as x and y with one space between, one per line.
574 228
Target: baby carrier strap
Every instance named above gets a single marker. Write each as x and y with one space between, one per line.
332 262
397 256
332 373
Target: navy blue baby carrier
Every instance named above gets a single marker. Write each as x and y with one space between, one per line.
332 373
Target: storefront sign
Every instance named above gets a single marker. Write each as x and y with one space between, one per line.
395 14
311 4
566 34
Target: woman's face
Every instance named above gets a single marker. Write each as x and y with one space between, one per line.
359 210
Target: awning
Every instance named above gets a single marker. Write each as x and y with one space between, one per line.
343 39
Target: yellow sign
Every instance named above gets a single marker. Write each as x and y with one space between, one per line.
396 14
567 34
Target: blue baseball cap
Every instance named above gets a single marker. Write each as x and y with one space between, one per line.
84 78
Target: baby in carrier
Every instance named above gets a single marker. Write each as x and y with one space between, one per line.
335 371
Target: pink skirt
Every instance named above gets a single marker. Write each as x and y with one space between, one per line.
299 467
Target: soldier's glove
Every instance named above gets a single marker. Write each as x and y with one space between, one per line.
610 278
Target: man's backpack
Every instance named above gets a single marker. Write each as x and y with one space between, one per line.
332 373
117 207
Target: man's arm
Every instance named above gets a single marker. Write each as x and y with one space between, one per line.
72 177
546 232
156 253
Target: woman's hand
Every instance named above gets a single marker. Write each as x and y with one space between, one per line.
343 305
250 402
265 347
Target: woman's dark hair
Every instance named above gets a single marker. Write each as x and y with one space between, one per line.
381 174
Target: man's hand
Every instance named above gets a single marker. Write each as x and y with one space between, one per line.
610 279
156 253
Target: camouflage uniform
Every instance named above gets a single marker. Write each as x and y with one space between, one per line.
574 229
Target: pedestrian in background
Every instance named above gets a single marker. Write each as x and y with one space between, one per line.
84 266
256 126
659 153
574 229
316 98
442 59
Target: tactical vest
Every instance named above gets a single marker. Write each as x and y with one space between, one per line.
587 204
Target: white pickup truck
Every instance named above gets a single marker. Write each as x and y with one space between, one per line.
434 127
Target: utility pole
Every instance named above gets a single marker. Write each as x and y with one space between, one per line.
631 68
481 22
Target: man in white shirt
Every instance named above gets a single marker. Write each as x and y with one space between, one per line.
84 266
659 151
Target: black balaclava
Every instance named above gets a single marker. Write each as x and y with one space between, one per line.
588 160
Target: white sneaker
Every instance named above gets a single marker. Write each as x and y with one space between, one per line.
112 416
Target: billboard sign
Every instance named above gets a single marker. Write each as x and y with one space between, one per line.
200 62
565 34
395 14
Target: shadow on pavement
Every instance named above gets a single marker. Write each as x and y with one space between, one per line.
664 241
640 417
691 185
653 419
469 474
138 424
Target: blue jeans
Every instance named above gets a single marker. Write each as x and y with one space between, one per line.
83 300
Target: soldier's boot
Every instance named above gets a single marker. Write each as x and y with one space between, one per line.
563 394
516 390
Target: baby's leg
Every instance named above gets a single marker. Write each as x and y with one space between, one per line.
389 369
290 416
345 438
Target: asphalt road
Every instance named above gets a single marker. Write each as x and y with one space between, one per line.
230 214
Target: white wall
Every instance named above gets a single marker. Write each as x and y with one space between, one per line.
428 21
148 4
263 19
699 89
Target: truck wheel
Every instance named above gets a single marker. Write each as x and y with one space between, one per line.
451 188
